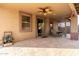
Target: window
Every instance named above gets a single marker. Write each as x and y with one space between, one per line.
25 21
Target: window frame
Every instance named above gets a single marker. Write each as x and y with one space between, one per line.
21 13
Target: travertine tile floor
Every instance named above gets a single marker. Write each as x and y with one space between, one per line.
43 47
49 42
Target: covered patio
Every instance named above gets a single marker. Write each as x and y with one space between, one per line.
30 28
22 20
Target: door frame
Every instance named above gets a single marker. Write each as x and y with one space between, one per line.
38 17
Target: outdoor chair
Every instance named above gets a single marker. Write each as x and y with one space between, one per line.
7 38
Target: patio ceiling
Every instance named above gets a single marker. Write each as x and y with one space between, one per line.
77 7
60 11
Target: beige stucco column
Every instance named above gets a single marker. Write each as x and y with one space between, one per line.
34 27
55 26
47 28
74 26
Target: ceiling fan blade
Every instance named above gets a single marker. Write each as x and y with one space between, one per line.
50 10
40 11
41 8
47 8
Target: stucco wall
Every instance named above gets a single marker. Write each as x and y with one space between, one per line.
9 21
55 26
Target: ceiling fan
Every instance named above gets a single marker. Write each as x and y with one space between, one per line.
45 11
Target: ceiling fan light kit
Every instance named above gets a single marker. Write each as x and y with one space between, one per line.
46 10
45 14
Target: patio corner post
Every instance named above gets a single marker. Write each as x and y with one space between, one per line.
74 23
74 28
